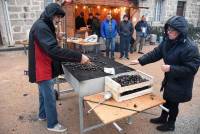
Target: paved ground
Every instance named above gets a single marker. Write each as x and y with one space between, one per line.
19 103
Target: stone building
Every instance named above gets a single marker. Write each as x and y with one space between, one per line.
17 16
161 10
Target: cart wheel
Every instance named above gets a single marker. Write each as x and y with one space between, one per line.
56 95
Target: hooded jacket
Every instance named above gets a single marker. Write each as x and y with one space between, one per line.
45 56
183 57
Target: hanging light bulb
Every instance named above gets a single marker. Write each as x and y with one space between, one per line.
134 19
84 7
76 6
117 10
98 7
104 9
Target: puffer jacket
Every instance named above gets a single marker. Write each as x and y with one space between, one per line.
183 57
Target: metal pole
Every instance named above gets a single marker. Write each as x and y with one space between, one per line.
81 114
7 22
119 129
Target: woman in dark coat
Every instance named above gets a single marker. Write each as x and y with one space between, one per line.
181 62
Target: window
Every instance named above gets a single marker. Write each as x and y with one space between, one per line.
181 8
158 10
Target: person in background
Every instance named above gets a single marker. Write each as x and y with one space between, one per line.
79 21
142 30
108 33
90 20
125 32
181 63
44 62
96 25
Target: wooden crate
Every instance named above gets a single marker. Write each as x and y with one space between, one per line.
128 92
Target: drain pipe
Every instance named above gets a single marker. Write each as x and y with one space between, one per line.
8 25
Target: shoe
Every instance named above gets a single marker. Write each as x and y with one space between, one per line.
166 127
140 52
42 119
158 120
127 58
57 128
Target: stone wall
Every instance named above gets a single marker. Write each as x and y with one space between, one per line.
23 14
192 11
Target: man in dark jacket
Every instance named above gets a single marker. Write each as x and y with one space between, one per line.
181 62
125 33
79 21
90 20
96 25
142 30
96 30
44 62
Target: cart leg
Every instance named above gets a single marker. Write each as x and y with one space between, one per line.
119 129
81 114
130 120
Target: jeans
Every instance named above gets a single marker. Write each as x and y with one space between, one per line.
110 43
47 102
124 46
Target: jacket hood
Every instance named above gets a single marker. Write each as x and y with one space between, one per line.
179 23
51 10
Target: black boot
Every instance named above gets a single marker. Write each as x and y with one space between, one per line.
169 126
160 120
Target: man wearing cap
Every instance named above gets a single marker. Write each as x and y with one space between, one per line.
45 57
125 32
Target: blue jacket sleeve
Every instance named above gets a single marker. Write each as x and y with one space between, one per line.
115 32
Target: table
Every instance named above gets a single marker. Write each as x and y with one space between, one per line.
87 83
111 110
80 42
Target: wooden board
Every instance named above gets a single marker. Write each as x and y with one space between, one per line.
82 43
108 114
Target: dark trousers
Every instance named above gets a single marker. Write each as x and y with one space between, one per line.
124 46
173 111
